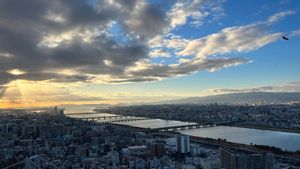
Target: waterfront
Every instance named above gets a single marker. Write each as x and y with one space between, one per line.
155 123
91 115
78 109
283 140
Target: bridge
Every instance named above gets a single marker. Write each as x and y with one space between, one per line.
112 118
123 120
183 127
115 119
100 117
84 113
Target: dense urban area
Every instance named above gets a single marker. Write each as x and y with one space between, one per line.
272 116
49 139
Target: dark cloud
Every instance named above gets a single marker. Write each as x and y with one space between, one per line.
26 25
135 79
42 38
154 72
5 78
189 67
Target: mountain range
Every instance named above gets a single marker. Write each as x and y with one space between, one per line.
241 98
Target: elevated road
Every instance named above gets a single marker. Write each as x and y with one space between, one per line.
183 127
116 121
84 113
100 117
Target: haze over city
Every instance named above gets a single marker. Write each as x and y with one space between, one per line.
110 52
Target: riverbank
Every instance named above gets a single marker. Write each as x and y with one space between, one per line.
217 143
255 148
265 128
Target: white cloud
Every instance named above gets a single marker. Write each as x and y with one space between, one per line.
159 53
196 11
55 17
232 39
276 17
16 72
295 33
6 55
169 41
182 10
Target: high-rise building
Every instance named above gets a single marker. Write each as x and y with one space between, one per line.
236 159
157 150
183 143
30 131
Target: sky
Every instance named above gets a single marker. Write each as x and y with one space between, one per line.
136 51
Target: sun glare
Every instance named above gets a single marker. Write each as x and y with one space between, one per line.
16 72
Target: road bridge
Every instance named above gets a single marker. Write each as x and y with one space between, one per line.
112 118
183 127
83 113
123 120
99 117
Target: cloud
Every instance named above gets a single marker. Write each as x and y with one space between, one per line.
244 90
288 87
295 33
232 39
2 91
144 71
276 17
169 41
195 10
112 41
75 35
181 10
159 53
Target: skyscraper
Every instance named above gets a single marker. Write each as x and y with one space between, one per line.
183 143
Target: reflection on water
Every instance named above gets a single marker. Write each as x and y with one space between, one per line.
78 109
283 140
155 123
90 115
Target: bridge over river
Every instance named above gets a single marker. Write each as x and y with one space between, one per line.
183 127
139 122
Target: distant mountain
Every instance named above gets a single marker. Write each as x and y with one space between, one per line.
241 98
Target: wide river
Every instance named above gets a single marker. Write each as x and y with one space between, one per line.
283 140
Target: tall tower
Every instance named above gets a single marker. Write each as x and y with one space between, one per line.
183 143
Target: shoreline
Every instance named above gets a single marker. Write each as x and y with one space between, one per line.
223 143
249 126
295 131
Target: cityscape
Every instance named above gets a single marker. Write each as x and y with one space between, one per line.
50 138
149 84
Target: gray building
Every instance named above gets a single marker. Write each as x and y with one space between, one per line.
183 143
235 159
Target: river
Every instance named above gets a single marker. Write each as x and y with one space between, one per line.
283 140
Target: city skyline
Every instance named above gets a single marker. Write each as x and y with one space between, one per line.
102 51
